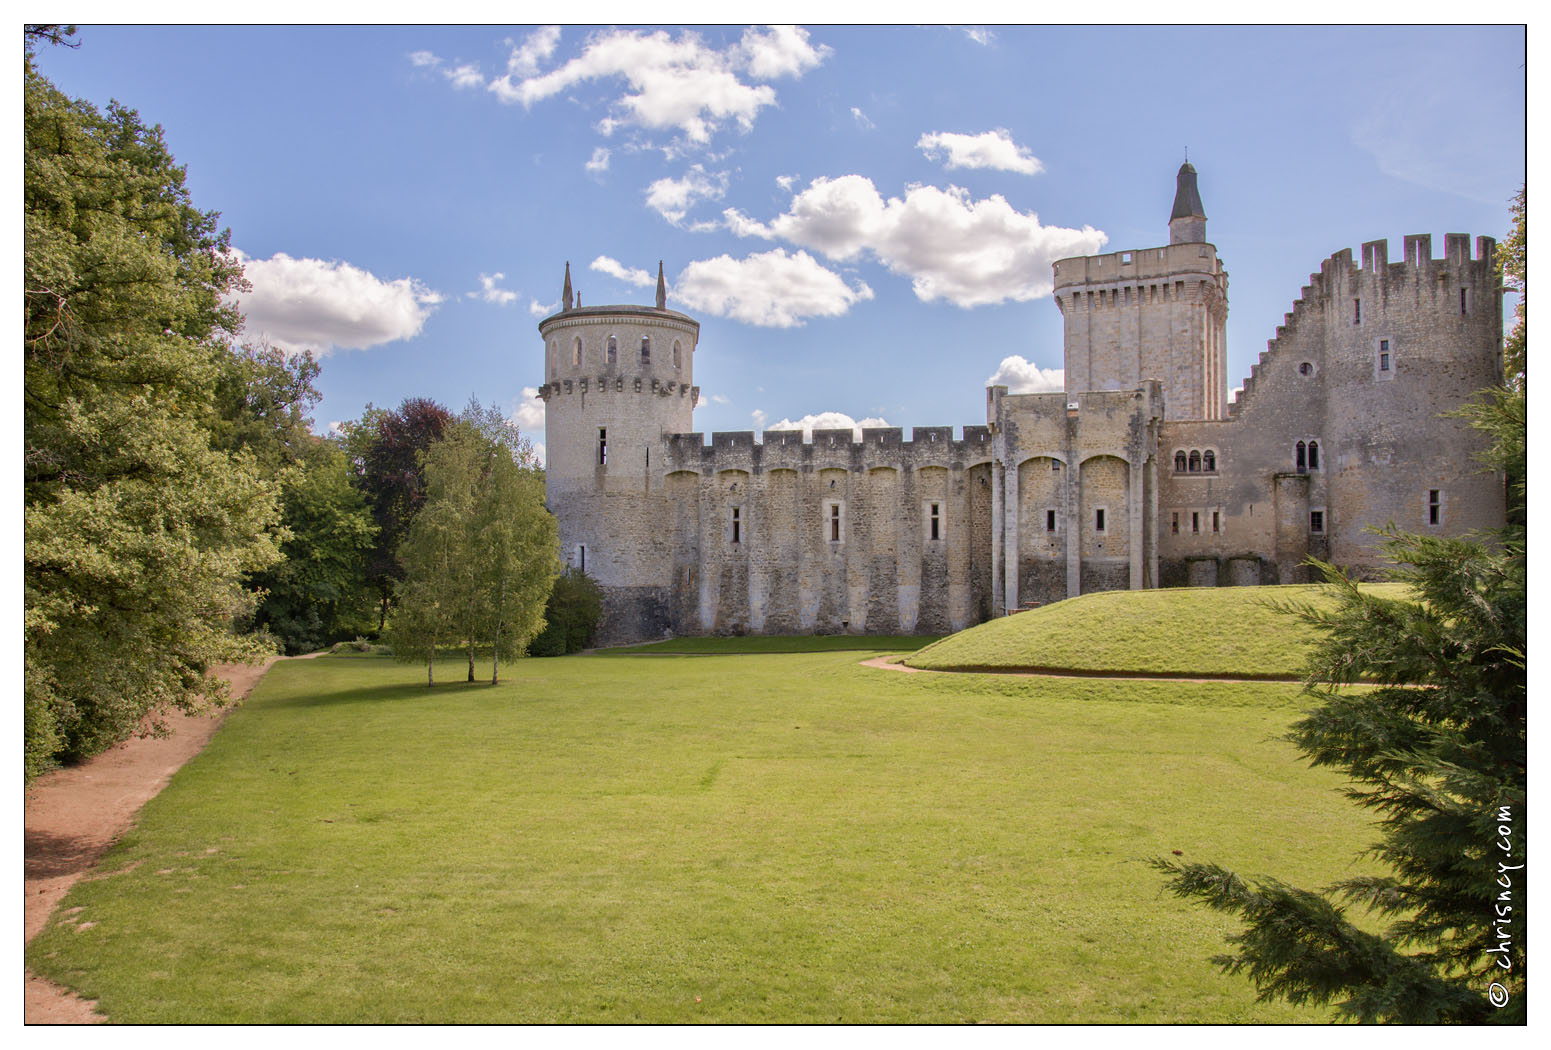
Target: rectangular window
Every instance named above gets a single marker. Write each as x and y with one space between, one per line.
1174 524
737 524
1357 311
1050 521
1055 464
1098 520
1316 521
1195 523
936 518
1462 302
581 556
1383 355
1216 521
834 523
1434 506
603 446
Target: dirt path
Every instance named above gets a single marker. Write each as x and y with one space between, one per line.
894 663
73 816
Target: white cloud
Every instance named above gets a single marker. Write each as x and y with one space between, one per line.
990 149
1025 377
780 51
529 418
951 246
325 305
424 59
861 119
538 309
600 160
786 182
490 293
672 83
759 417
614 268
526 59
466 75
828 421
672 198
980 35
771 289
720 399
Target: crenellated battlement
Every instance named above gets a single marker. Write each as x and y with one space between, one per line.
826 449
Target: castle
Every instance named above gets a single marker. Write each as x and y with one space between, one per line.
1142 474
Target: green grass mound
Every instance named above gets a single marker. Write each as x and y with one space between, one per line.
824 643
1228 632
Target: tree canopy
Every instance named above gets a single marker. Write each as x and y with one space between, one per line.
139 530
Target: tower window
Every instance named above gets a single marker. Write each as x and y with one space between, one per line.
1357 311
935 515
1462 302
1055 464
1317 521
1302 458
1383 355
1050 521
1098 520
613 351
1434 506
603 446
646 350
677 362
737 524
834 523
581 557
1195 523
576 352
1216 521
1313 455
1174 524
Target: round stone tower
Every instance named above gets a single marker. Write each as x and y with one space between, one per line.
616 379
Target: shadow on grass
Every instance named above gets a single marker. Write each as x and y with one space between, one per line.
381 694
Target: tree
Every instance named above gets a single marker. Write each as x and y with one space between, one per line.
571 616
385 448
1423 703
482 553
319 593
138 531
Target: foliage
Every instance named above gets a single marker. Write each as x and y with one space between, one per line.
571 615
1438 751
262 401
1234 632
319 594
483 552
789 838
138 531
386 449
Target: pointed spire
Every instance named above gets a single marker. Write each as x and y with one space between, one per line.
565 293
662 288
1187 222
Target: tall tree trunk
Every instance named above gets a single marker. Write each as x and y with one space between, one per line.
471 657
495 658
430 679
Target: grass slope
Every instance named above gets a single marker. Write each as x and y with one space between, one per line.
737 839
816 643
1208 631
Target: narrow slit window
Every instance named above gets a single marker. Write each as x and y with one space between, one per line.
646 350
576 352
581 557
1216 521
1313 455
603 446
936 520
1383 355
737 524
1098 520
1357 311
1434 506
1302 458
834 523
1174 524
1463 301
1195 523
613 351
677 360
1050 521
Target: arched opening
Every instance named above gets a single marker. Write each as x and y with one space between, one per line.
1209 461
613 351
1313 455
1302 459
576 353
646 349
1195 461
677 362
1179 462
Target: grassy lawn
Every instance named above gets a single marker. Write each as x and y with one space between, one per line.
735 838
822 643
1211 631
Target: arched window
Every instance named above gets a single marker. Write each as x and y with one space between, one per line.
677 363
576 352
646 349
1195 462
613 351
1313 455
1209 461
1303 457
1179 462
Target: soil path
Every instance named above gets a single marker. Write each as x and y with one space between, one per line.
73 816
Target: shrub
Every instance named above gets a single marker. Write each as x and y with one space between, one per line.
571 617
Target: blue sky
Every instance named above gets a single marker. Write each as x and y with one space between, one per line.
862 219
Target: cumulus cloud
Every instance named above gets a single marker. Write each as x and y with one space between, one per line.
538 309
672 198
324 305
673 83
630 275
466 75
424 59
599 161
1025 377
950 245
529 418
490 291
759 417
770 289
990 149
828 421
527 57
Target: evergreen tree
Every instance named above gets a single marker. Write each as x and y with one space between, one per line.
1423 703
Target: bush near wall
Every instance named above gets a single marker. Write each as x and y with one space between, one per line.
571 617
